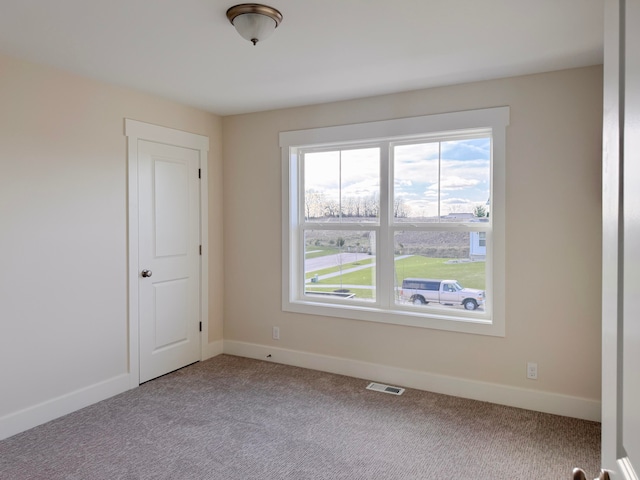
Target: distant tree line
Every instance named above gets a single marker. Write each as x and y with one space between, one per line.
317 205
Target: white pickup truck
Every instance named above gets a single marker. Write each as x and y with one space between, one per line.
421 291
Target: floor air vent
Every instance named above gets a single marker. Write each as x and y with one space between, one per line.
379 387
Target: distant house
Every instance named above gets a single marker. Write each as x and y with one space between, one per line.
478 246
458 216
478 242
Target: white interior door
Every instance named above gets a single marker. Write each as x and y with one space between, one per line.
168 257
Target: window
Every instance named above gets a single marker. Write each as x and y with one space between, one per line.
389 221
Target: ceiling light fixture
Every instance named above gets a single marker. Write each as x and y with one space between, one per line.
253 21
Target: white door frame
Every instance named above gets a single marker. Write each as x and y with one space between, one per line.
619 138
135 131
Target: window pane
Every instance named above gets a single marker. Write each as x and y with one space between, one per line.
342 185
482 238
361 184
465 173
442 181
416 186
321 185
440 269
340 264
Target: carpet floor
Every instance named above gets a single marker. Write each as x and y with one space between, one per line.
234 418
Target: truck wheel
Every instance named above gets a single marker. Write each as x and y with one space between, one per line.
418 300
470 304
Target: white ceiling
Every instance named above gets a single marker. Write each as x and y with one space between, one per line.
324 50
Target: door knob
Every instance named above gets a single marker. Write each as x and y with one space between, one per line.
578 474
146 273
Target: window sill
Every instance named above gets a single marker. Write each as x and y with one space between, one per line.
478 324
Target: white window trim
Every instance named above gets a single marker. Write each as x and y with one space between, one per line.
497 119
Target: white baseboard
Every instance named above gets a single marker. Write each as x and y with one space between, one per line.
546 402
35 415
212 349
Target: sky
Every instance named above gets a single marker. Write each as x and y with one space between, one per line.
463 183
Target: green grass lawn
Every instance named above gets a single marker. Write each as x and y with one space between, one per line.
320 251
469 275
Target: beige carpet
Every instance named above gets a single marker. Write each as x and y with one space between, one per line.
238 419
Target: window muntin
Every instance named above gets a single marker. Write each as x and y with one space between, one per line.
434 129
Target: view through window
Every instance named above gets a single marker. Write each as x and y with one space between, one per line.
398 225
440 201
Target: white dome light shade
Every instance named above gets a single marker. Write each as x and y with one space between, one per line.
253 21
254 27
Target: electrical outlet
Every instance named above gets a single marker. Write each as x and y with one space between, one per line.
276 333
532 370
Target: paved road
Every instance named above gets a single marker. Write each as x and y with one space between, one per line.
329 261
336 262
400 301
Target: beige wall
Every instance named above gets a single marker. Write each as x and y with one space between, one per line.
553 237
63 228
63 233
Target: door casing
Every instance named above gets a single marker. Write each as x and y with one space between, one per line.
135 131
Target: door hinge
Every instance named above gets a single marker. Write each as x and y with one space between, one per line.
199 173
200 249
200 326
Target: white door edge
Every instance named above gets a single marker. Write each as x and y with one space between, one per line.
134 131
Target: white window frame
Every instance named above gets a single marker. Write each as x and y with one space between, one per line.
492 321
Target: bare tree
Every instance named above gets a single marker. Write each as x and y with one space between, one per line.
457 208
371 206
357 204
317 205
331 208
314 204
400 208
348 206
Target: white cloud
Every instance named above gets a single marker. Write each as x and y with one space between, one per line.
403 183
456 201
364 188
357 170
431 193
458 183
